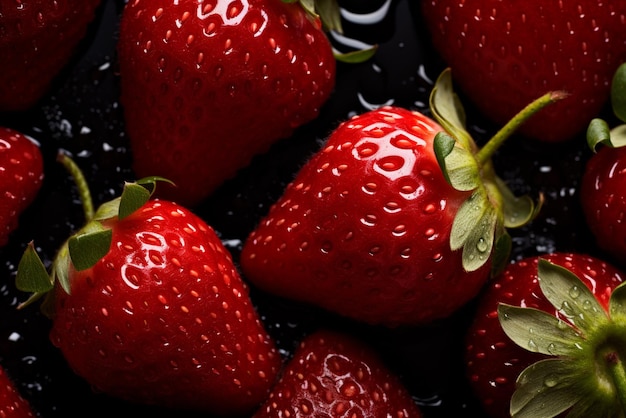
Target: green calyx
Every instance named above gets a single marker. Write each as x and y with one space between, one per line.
88 245
599 131
480 224
585 375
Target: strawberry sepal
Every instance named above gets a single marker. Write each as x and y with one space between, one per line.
586 343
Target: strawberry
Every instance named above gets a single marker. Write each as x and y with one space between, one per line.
37 39
12 403
206 85
604 181
494 361
504 54
332 374
374 229
21 176
147 306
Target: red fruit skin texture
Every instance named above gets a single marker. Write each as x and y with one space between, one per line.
603 199
165 319
332 375
21 176
494 361
12 403
37 39
200 100
364 228
505 54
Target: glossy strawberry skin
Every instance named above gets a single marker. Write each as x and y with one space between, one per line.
503 55
364 228
494 361
37 40
12 403
603 200
201 100
165 319
334 375
21 176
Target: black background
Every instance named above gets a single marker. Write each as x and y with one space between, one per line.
82 115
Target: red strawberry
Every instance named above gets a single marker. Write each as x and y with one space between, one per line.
371 228
603 185
334 375
494 362
147 306
206 85
12 403
21 175
503 54
37 39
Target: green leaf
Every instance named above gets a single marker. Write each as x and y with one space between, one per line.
473 229
598 132
617 303
329 13
443 144
32 275
462 169
356 57
618 92
517 210
448 110
502 251
618 136
570 296
133 197
546 389
88 248
538 331
61 268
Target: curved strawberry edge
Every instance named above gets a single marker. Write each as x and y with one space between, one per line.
89 244
598 131
585 374
492 207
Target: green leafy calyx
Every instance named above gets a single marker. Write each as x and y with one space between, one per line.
585 374
480 224
88 245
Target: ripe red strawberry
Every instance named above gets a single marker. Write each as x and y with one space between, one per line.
494 361
147 306
206 85
12 403
603 184
21 175
504 54
334 375
373 229
37 39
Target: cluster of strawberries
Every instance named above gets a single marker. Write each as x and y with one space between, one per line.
398 220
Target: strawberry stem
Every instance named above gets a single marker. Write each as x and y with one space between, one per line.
487 151
617 372
81 183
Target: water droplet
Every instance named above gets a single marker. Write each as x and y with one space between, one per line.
551 381
574 292
481 245
532 345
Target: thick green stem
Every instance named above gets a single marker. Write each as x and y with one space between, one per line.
487 151
81 184
618 374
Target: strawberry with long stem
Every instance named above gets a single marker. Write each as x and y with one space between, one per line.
147 305
398 220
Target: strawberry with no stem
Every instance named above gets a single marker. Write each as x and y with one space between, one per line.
494 361
505 53
374 229
206 85
37 39
12 403
21 175
603 184
147 305
334 375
